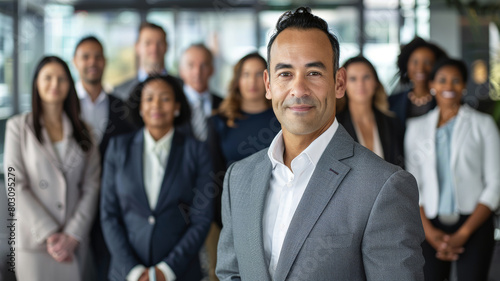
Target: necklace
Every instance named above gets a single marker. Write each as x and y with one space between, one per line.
419 101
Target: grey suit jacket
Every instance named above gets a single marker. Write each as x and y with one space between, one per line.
357 220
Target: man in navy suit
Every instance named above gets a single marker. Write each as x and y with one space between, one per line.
106 114
195 69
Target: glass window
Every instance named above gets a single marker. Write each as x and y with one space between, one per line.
391 4
220 32
6 77
382 43
117 31
31 49
6 65
495 65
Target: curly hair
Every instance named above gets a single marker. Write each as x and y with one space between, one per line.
230 108
409 48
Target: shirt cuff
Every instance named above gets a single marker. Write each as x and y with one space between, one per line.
135 272
167 271
76 237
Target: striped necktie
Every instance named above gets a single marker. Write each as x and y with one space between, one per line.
199 120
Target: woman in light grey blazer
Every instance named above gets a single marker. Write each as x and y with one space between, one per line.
454 153
53 168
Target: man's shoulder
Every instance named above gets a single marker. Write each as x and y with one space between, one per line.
248 164
123 90
367 163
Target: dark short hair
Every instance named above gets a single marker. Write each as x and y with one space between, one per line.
146 24
202 47
302 18
458 64
411 47
134 101
71 106
87 39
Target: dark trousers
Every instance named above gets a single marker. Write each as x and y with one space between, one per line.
473 264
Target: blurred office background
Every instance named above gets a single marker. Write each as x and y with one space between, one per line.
30 29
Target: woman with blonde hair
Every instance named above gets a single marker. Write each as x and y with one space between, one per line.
364 112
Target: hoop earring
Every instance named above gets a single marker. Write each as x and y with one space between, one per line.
432 91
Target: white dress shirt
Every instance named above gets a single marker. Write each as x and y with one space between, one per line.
193 97
94 113
377 145
155 158
143 75
286 189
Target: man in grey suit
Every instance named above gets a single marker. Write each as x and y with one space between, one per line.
315 205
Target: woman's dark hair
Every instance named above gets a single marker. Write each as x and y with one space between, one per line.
230 108
411 47
458 64
379 98
134 101
71 106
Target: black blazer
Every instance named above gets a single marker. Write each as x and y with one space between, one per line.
389 129
175 230
117 124
400 103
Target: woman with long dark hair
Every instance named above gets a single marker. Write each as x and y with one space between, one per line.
364 112
56 167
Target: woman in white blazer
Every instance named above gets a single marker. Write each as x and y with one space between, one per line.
53 167
454 153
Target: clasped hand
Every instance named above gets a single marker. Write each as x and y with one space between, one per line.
447 246
61 247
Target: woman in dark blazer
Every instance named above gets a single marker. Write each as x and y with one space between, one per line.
156 202
415 64
364 112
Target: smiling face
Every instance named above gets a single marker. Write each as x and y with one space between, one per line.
361 83
420 65
251 85
151 48
158 105
196 68
89 61
53 84
448 85
301 82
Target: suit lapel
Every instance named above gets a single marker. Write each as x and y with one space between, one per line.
459 134
174 161
134 166
74 155
324 181
256 203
